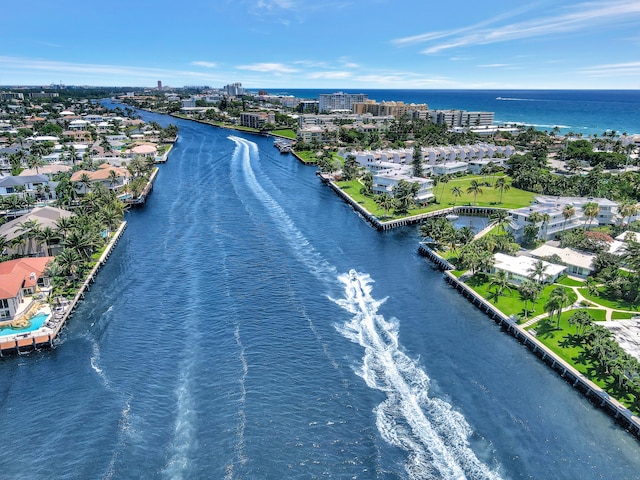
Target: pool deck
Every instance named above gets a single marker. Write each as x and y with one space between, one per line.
45 336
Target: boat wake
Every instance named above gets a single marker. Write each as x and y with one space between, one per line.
434 435
302 248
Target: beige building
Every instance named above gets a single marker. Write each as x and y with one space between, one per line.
395 109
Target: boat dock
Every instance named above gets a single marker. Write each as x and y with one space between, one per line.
45 337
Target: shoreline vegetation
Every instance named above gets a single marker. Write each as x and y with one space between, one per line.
613 387
559 319
82 215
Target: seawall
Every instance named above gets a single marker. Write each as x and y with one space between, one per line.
596 395
46 337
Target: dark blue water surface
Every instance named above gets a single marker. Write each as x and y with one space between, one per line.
225 339
578 111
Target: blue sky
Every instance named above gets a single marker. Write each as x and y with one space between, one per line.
323 43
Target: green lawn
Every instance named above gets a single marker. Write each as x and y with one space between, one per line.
603 300
622 315
564 344
509 303
514 198
287 132
307 156
490 197
569 282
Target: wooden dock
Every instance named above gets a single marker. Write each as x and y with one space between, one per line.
39 339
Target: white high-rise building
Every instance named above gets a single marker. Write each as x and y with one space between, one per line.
330 102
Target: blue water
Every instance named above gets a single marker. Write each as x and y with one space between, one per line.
475 223
36 322
578 111
225 340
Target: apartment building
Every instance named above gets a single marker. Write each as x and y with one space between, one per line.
394 109
329 102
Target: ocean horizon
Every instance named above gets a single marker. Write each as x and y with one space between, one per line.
585 112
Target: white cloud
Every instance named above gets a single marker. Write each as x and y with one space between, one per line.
204 64
495 65
613 69
10 64
582 16
335 75
276 68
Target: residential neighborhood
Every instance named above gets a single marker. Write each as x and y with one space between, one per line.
69 168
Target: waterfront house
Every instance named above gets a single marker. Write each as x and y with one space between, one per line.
115 181
43 217
519 269
578 263
28 184
19 280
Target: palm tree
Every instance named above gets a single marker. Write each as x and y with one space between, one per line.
501 282
386 202
113 178
536 272
567 212
444 179
529 291
628 210
367 181
82 241
465 235
558 299
69 261
28 229
4 243
63 226
545 223
475 188
46 236
582 320
456 192
84 182
502 185
34 161
500 218
590 210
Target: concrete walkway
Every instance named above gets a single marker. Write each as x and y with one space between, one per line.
580 303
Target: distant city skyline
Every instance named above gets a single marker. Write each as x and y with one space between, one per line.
331 44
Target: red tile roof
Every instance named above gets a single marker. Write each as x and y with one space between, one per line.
16 274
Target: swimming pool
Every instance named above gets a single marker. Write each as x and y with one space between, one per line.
36 322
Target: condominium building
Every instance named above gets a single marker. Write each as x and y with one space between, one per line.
461 118
552 210
384 182
256 120
329 102
395 109
234 89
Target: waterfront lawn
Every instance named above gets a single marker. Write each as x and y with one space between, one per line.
513 198
565 343
287 132
307 156
602 299
490 197
509 302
